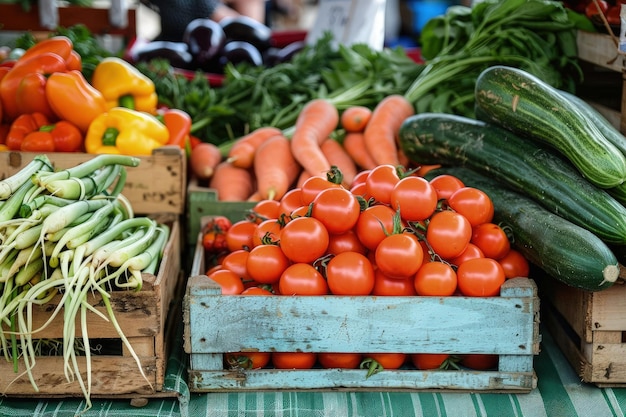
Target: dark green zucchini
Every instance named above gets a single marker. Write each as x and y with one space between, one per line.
526 166
563 250
522 103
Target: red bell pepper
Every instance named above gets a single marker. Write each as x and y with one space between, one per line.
33 132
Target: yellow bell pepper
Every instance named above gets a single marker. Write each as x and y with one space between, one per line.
125 131
123 85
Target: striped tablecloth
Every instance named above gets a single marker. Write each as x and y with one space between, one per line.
559 394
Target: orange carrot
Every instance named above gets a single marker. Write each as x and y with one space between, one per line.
382 130
316 121
241 154
354 144
275 167
232 183
337 156
255 197
203 159
355 118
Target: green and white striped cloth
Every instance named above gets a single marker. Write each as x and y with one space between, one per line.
559 394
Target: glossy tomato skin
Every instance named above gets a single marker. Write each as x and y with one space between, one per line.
472 203
247 360
426 361
214 234
236 262
448 233
345 242
414 197
471 252
380 182
435 279
337 208
313 186
290 201
294 360
514 265
386 286
373 225
388 360
340 360
256 290
399 255
265 209
445 185
302 279
266 263
229 282
350 273
239 235
491 239
481 277
267 231
304 239
479 361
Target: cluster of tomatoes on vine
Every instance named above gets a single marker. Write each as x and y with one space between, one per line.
392 233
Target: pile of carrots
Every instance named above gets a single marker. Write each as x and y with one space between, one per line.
268 162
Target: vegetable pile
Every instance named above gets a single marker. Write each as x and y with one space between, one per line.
67 234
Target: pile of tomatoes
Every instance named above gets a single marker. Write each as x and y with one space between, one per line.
394 233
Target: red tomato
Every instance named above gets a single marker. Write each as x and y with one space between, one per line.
448 233
345 242
435 279
360 177
239 236
592 9
613 15
385 286
290 201
337 208
491 239
304 239
265 209
254 290
473 203
472 251
350 273
360 190
399 255
374 223
341 360
481 277
514 264
236 262
301 211
266 232
446 185
425 361
266 263
247 360
214 234
415 197
294 360
229 281
383 360
302 279
381 181
479 361
313 186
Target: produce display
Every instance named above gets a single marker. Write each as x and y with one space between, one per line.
69 234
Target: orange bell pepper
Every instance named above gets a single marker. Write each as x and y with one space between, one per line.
67 90
178 123
34 133
23 88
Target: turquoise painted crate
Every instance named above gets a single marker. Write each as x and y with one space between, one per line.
507 325
203 201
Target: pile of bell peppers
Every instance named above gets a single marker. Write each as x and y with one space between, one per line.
47 105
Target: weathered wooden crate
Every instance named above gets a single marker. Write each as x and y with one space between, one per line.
203 201
604 71
215 324
157 185
148 319
590 328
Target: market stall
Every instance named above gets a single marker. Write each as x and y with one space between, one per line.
312 226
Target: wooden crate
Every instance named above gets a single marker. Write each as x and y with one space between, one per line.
203 201
590 329
156 185
216 324
148 319
604 71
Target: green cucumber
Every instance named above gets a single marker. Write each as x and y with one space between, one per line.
525 166
563 250
522 103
